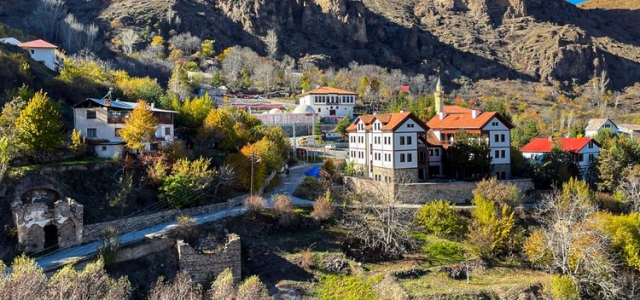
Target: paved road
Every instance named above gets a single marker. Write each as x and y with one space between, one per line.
59 258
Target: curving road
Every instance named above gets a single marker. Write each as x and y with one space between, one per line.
62 257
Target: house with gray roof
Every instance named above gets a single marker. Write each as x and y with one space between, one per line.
100 121
595 125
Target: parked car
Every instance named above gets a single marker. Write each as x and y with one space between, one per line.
330 146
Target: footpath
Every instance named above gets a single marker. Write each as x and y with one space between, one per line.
62 257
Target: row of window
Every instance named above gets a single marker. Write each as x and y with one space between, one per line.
93 132
379 177
377 156
333 99
387 140
499 138
434 152
499 154
91 114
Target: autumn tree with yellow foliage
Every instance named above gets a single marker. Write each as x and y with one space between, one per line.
140 126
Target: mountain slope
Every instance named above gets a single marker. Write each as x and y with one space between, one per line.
469 40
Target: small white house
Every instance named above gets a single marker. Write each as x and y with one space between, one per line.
595 125
100 121
584 151
328 101
45 53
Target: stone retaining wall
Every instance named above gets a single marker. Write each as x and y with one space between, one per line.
203 265
420 193
93 232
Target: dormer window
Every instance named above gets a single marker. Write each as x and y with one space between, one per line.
410 125
494 124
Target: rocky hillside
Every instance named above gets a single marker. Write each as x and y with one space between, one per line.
469 40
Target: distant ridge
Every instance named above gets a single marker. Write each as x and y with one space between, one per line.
610 4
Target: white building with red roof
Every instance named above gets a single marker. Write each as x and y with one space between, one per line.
44 52
329 101
584 151
384 147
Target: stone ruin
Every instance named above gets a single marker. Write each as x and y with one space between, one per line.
45 219
208 259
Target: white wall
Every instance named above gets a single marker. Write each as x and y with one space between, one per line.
341 108
496 128
109 151
104 130
607 124
46 56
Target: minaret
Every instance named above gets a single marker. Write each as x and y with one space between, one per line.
438 97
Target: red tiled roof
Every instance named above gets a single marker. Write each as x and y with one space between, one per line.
37 44
390 122
404 88
328 90
545 144
432 140
461 118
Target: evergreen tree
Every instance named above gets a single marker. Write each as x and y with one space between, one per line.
140 127
39 126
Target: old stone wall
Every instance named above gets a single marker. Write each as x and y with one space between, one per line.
203 265
94 231
420 193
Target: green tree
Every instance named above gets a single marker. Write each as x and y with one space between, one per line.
206 48
140 127
179 191
192 112
217 79
563 288
604 136
498 105
468 157
501 193
342 125
441 218
556 168
492 228
39 126
614 161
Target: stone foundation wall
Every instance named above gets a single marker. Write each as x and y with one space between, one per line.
204 265
93 232
420 193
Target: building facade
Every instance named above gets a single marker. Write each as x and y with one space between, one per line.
385 147
595 125
584 151
330 102
45 53
100 121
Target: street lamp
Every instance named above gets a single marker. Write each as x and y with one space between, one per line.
253 160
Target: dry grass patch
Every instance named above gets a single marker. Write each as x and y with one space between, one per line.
495 280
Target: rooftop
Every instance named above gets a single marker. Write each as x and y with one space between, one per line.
37 44
545 145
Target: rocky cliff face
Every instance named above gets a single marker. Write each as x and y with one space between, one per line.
537 40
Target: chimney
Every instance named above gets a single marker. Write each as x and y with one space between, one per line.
403 110
474 113
442 115
107 97
107 102
550 139
375 112
153 105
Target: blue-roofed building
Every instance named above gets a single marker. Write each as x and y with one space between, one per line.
100 121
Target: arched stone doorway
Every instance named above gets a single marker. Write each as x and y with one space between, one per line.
50 237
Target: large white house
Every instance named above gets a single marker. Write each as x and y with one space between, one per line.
595 125
45 53
584 151
328 101
100 120
384 147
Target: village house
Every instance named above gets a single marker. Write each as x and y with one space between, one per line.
45 53
433 154
100 120
493 128
384 147
631 130
595 125
584 151
328 101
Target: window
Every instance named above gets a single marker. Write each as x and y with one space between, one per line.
409 158
430 152
592 158
32 51
91 132
496 154
494 123
116 132
91 114
495 138
401 157
410 125
401 140
104 148
167 131
502 138
437 152
318 109
408 140
503 153
580 157
607 125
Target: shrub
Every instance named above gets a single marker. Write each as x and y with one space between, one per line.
338 287
563 288
309 188
255 204
179 191
306 258
441 219
323 207
252 289
444 252
492 189
284 210
223 287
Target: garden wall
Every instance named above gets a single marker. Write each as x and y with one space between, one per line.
458 192
93 232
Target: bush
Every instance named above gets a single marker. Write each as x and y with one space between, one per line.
444 252
284 210
492 189
179 191
309 188
252 289
255 204
323 208
223 287
306 259
563 288
441 219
